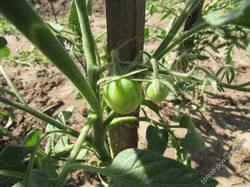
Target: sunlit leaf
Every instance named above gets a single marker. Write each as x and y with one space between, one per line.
144 168
238 16
193 141
157 139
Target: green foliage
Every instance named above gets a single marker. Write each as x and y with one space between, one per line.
6 27
193 141
157 139
238 16
13 155
4 50
144 168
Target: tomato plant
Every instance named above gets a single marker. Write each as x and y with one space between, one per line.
113 98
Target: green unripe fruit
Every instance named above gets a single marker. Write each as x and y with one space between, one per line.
123 96
157 91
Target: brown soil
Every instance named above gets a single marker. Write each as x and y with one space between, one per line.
225 121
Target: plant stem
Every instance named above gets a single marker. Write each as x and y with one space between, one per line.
88 43
122 120
11 85
84 167
155 68
24 17
115 62
186 35
77 148
10 173
31 161
93 74
161 50
109 118
239 87
39 115
99 141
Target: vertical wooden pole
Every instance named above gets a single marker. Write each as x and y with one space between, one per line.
125 24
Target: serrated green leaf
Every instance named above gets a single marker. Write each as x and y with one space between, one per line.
144 168
193 141
12 155
32 138
65 115
157 139
36 178
48 167
74 23
238 16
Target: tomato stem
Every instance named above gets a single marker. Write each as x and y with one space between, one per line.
155 68
77 148
115 62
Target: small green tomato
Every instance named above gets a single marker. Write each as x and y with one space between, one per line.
123 95
157 91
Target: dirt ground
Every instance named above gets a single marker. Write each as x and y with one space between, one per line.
224 123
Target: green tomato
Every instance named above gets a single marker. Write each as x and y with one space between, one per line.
123 95
157 91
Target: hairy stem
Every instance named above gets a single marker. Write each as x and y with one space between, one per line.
88 43
76 149
39 115
161 50
11 85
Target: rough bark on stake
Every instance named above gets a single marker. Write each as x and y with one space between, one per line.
125 23
185 46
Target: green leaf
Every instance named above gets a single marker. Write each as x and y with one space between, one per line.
74 25
65 115
12 155
238 16
82 154
146 33
32 138
4 52
157 139
202 57
170 86
4 181
193 141
58 141
63 141
73 20
3 42
144 168
37 178
162 49
48 167
12 158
